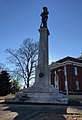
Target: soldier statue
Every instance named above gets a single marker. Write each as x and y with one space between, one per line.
44 16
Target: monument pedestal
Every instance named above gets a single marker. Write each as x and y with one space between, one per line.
41 91
41 94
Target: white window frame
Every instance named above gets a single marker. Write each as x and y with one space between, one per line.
75 71
77 84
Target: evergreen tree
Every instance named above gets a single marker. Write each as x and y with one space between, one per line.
15 86
5 84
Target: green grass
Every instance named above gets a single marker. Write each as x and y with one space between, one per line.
7 96
75 97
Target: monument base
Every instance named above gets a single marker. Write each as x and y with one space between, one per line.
39 94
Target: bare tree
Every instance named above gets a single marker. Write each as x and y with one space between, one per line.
24 60
2 67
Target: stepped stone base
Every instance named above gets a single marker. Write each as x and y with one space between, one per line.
41 94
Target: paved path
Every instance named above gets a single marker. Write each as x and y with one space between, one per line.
39 112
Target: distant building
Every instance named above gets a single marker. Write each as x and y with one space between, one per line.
66 74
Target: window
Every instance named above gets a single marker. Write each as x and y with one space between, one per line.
75 71
65 73
56 81
77 85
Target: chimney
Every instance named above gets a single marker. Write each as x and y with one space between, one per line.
80 58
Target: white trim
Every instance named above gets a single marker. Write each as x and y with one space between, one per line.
66 81
68 62
56 81
65 71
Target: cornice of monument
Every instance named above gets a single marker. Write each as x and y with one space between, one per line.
44 29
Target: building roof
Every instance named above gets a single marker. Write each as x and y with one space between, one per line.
65 61
69 58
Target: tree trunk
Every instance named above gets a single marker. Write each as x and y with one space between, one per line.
27 82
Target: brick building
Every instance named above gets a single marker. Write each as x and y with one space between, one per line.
66 74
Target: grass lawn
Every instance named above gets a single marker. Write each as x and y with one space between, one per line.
7 96
75 97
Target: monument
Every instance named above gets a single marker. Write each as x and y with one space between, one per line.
42 91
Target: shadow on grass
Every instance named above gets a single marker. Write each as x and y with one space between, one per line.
74 103
37 112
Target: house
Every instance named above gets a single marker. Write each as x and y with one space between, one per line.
66 74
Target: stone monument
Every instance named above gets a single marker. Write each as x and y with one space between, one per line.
42 91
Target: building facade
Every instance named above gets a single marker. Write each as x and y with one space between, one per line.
66 75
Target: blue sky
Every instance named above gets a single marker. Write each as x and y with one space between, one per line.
20 19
